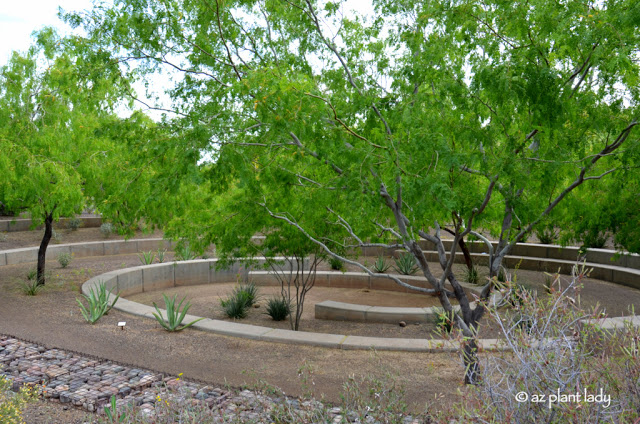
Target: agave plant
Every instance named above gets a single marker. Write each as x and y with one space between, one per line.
175 314
160 255
185 254
147 257
98 300
406 264
380 265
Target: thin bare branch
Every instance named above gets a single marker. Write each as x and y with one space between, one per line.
388 230
314 154
346 225
348 261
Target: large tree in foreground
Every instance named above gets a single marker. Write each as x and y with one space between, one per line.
465 113
56 115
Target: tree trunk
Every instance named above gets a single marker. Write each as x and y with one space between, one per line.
470 358
42 251
465 250
466 254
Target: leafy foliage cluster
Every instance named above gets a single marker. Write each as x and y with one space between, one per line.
325 132
12 404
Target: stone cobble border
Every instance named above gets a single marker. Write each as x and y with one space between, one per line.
69 378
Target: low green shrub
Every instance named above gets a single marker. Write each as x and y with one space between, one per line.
242 298
56 236
278 308
547 235
107 229
248 292
594 239
235 306
74 223
32 274
471 275
175 314
336 264
406 264
184 253
13 404
98 303
64 259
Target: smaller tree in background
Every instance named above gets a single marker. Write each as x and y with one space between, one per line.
297 273
231 217
53 109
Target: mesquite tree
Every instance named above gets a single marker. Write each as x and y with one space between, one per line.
54 108
390 126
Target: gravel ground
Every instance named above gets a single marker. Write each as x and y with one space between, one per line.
52 320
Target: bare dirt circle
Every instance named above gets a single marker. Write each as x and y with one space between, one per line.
205 302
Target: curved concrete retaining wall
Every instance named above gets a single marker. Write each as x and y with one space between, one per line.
613 273
159 276
22 224
531 250
605 264
79 250
146 278
154 277
340 311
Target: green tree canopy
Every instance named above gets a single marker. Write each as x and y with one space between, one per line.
461 113
57 119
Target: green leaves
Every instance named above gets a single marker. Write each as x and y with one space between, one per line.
309 118
49 132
